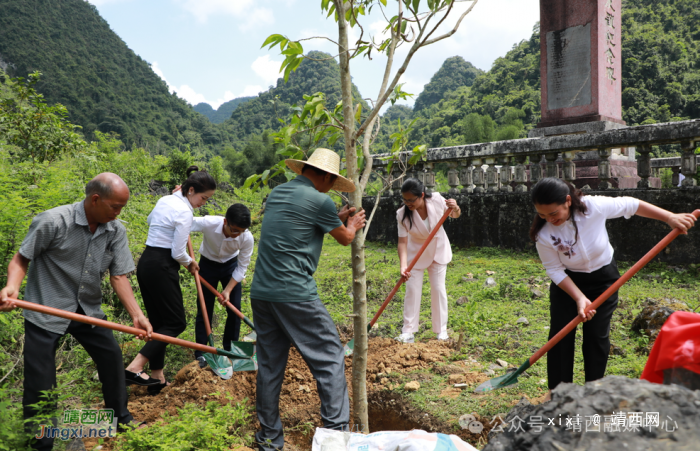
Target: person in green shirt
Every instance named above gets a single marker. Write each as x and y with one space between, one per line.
286 306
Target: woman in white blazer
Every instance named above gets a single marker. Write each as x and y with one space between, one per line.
419 215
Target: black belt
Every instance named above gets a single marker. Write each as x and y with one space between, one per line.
227 262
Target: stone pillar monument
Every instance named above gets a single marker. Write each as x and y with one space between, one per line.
581 62
581 73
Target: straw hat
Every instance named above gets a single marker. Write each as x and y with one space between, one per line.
328 161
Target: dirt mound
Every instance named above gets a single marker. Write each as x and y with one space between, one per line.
299 403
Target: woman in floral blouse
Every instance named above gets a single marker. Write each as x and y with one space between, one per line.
572 241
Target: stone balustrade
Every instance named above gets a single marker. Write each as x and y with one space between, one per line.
511 166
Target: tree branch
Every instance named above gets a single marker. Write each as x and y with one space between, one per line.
451 32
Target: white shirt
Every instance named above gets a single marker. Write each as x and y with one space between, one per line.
592 249
169 226
216 247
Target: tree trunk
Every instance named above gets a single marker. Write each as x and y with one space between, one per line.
359 285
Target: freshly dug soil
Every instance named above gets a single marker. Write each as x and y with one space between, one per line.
299 403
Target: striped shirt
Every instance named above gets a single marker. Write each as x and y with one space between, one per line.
68 263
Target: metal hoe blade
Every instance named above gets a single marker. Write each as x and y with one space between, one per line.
503 381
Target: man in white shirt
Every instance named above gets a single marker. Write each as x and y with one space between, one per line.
225 255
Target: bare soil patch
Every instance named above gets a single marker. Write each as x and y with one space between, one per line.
299 403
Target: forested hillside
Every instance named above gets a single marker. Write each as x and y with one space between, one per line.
90 70
660 60
320 73
454 73
224 111
661 81
107 88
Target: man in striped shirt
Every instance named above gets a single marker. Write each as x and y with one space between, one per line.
65 255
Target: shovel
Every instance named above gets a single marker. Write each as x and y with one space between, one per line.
348 348
220 365
512 378
233 354
250 337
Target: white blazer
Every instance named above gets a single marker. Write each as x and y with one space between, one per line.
439 250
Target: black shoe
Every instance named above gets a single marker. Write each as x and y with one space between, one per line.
135 378
155 389
202 361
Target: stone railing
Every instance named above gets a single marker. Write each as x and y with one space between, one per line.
673 163
502 165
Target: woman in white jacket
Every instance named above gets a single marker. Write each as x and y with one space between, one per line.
169 226
416 219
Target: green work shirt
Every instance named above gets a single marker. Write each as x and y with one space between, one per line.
296 218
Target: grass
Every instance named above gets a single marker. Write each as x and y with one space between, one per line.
489 317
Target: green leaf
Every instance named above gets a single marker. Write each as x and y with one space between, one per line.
273 40
250 180
358 112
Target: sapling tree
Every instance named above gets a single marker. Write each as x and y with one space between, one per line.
414 24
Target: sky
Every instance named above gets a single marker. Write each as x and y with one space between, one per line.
210 50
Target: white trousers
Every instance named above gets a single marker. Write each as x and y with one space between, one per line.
438 298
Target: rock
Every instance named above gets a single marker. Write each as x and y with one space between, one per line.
678 415
304 388
490 372
76 444
616 350
503 363
381 250
446 370
411 386
468 279
158 188
654 314
490 273
494 366
226 187
536 293
462 300
456 379
490 282
522 320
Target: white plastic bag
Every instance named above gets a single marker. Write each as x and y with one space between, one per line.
415 440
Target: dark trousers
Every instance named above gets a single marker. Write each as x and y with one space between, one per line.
308 326
40 370
159 281
596 332
215 273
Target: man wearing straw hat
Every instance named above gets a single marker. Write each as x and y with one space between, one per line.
286 306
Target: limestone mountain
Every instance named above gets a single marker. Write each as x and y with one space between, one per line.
321 73
454 73
661 81
224 111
